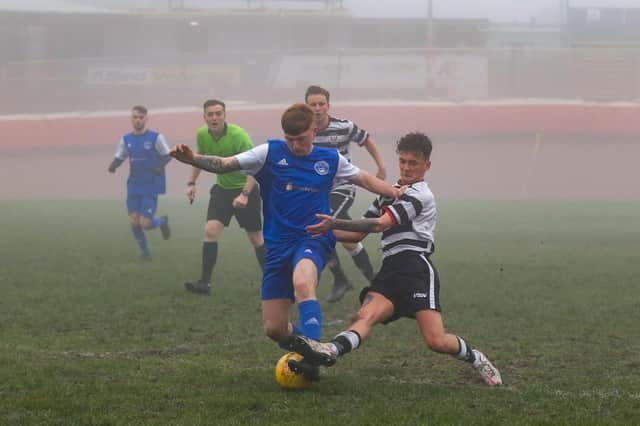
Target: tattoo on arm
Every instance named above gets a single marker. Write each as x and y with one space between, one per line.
215 164
357 225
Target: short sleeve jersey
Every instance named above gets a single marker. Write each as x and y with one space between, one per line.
415 216
145 152
233 140
339 134
294 188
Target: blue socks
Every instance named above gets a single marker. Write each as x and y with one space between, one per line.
310 319
138 234
158 221
296 330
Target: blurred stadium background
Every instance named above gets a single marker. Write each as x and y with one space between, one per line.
528 110
545 112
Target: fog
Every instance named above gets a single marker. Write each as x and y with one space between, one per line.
523 100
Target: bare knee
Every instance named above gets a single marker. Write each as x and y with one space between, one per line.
305 275
256 238
212 230
209 235
434 334
303 290
134 220
145 222
350 246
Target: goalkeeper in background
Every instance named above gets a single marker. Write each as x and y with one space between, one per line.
148 153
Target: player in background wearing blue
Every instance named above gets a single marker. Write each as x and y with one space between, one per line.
407 284
148 153
295 180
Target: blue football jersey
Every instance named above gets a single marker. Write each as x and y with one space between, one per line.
144 152
294 188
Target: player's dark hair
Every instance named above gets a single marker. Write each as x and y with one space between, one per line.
212 102
415 142
139 108
296 119
316 90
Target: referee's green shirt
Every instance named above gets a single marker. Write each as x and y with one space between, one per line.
234 140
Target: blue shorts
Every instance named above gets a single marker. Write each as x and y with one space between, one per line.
277 279
146 205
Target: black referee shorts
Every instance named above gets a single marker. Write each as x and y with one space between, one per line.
221 208
410 281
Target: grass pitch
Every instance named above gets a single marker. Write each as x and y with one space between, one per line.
91 335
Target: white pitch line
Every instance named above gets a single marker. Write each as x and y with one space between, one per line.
249 106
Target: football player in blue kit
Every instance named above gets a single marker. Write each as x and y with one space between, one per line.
148 153
295 180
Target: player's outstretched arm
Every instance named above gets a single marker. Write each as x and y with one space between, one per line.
215 164
327 224
377 186
210 163
350 231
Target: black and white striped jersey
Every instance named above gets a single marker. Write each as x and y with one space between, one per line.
339 134
415 216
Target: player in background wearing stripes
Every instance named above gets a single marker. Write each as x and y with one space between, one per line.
407 284
148 153
340 134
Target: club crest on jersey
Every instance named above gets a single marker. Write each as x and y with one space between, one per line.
147 145
321 167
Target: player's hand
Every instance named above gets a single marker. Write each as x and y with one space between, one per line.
240 202
156 171
182 153
114 165
322 227
382 173
191 193
400 191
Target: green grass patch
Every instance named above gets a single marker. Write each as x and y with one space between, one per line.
91 335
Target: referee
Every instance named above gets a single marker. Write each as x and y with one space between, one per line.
234 194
